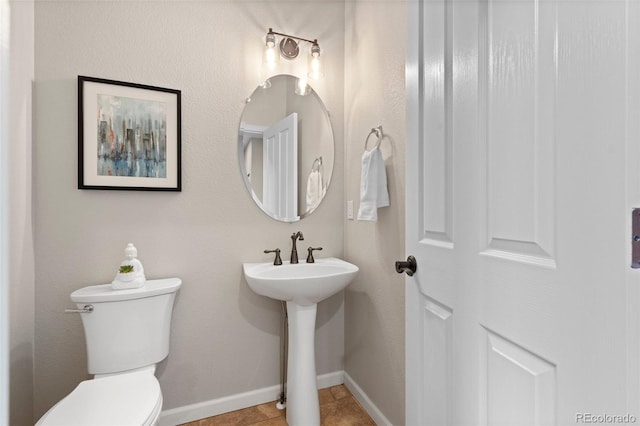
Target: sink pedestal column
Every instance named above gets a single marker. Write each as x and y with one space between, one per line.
303 408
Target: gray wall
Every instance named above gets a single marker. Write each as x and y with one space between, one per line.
375 45
225 339
20 226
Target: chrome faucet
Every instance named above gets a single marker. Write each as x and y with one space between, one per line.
294 250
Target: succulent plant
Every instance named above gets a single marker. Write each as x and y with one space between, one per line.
126 269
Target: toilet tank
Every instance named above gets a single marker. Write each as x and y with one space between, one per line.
127 329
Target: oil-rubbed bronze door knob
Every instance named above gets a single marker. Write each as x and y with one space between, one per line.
408 267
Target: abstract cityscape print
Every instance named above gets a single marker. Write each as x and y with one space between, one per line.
132 137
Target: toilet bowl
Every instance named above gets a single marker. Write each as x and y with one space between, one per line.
127 333
122 399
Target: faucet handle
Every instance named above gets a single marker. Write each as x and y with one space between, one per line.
310 258
278 259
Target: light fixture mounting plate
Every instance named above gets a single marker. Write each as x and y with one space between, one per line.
289 48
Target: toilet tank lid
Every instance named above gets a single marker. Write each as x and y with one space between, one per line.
105 293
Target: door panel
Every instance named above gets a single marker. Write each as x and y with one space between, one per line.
438 337
517 80
436 155
521 387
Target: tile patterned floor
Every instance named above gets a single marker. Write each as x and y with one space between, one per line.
337 408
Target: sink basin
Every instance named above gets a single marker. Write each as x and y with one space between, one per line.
302 286
302 283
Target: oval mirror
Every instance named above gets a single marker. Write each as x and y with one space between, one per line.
285 148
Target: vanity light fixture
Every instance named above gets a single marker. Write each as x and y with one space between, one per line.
289 48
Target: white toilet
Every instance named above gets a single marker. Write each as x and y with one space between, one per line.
127 334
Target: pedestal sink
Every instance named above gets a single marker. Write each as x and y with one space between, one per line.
302 286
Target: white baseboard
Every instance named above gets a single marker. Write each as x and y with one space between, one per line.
330 379
365 402
201 410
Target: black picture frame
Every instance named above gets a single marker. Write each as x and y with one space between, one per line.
129 136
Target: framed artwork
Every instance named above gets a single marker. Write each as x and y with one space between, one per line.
129 136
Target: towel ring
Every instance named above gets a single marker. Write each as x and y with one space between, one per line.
378 133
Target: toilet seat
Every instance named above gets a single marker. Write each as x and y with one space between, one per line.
125 399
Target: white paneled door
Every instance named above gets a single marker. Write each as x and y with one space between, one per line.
280 169
522 169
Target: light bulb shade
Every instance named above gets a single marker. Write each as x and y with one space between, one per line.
314 67
270 41
271 57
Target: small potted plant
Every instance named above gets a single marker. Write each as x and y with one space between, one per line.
126 273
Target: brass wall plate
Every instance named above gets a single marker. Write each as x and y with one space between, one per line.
289 48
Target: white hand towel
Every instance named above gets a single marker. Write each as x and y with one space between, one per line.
315 189
373 185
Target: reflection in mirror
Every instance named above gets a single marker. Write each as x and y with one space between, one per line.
285 148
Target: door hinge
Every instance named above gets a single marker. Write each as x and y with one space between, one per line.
635 238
